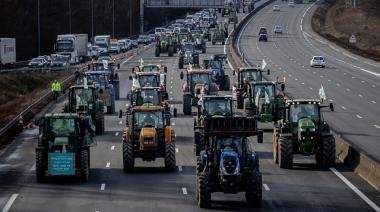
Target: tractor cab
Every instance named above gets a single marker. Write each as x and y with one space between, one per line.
250 74
81 99
150 79
150 68
146 96
215 106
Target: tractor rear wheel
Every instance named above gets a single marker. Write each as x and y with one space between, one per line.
180 62
204 194
285 151
187 104
260 136
226 86
253 195
204 48
128 159
170 51
99 123
157 53
40 166
84 165
170 161
240 100
213 42
327 157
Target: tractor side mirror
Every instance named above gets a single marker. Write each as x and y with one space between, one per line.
268 72
165 69
181 75
37 122
118 66
130 77
233 72
133 69
175 112
120 114
282 87
226 61
88 67
331 105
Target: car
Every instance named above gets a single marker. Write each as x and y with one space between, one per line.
263 37
318 61
93 51
123 45
291 4
276 7
143 39
263 30
60 61
38 62
134 43
159 30
278 29
115 48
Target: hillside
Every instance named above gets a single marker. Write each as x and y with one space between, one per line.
337 22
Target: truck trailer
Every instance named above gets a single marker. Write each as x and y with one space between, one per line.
7 51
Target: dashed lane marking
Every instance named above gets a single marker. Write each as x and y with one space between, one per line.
343 107
116 133
373 102
266 187
184 191
358 116
180 168
120 122
33 168
359 95
102 186
377 126
176 150
112 147
108 164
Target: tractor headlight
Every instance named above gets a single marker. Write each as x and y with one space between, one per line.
312 129
303 130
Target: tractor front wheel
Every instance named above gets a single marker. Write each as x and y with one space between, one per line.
84 164
157 53
99 123
253 195
285 151
170 161
187 104
170 51
204 194
40 166
327 157
260 136
128 159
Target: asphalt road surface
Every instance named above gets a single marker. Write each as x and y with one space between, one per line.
150 187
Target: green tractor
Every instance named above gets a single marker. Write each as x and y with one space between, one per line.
264 101
82 99
206 32
165 44
302 130
63 147
245 77
199 42
228 162
220 34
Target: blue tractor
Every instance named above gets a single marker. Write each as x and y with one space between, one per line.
228 163
219 76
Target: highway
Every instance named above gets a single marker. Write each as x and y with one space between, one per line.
350 82
151 188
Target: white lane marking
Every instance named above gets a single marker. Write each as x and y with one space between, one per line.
120 122
9 203
33 168
353 77
296 79
112 147
373 102
348 55
116 133
108 164
302 83
180 168
331 100
363 81
329 80
311 88
173 123
184 191
343 107
359 95
356 190
359 117
102 186
373 86
176 150
338 84
348 89
375 125
266 187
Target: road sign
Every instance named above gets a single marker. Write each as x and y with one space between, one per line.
352 38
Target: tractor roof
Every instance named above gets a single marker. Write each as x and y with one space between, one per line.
147 108
98 62
228 97
148 73
264 83
97 72
254 68
303 101
82 86
62 115
199 71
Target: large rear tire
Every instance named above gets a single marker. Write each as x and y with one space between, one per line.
187 104
170 51
326 158
84 165
157 52
40 166
285 152
170 161
226 83
253 195
128 159
260 136
180 62
99 123
240 100
204 195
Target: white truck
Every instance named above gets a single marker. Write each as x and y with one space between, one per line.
74 46
103 41
7 51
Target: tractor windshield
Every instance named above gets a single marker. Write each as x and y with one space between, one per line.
216 64
62 127
149 118
150 69
183 37
148 97
262 90
297 111
188 48
149 81
83 95
97 79
218 107
251 75
200 79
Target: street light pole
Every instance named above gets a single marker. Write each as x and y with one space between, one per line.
38 26
113 18
130 17
70 16
92 19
